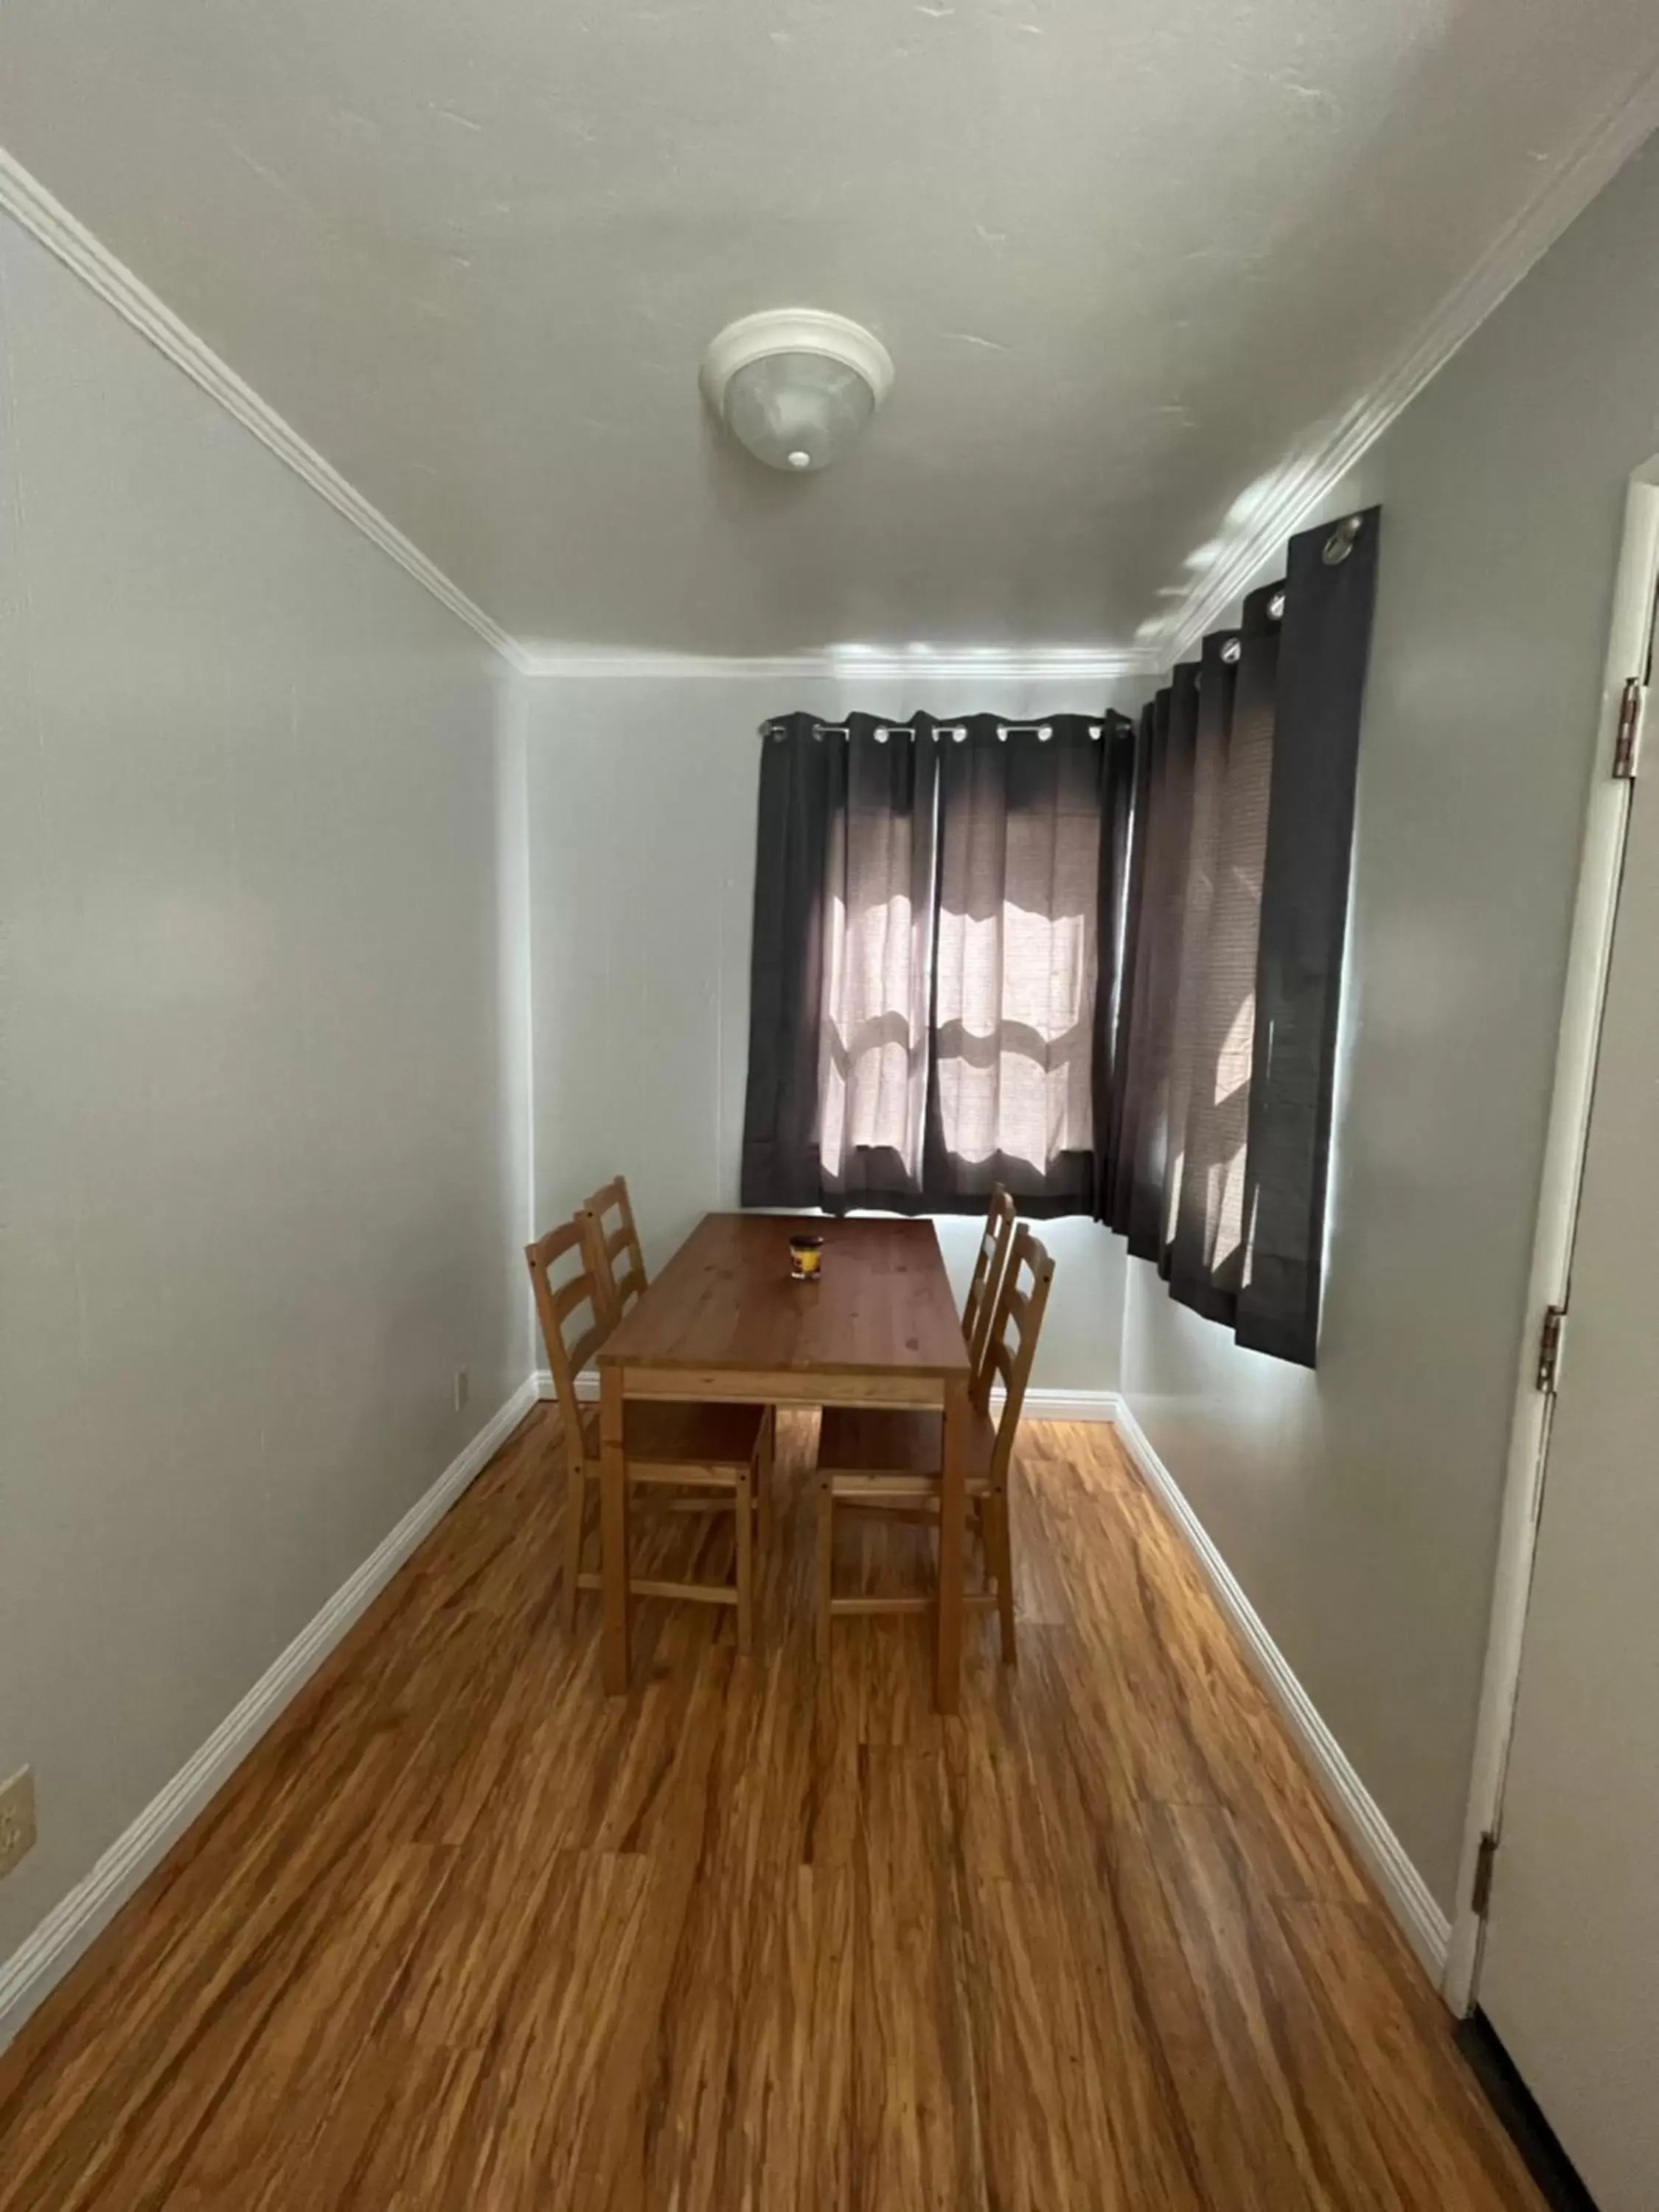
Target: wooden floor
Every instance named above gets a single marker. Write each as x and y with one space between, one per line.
462 1934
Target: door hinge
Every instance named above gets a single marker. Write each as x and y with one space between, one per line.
1627 737
1480 1900
1549 1349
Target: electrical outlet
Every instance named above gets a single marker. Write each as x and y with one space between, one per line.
16 1819
463 1387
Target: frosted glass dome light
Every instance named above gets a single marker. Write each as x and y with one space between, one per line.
796 386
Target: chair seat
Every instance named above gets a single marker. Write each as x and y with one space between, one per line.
680 1434
868 1442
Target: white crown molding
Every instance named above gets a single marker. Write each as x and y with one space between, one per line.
24 198
1311 473
1421 1920
1100 667
1305 481
34 1969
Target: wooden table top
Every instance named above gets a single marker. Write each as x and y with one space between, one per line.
727 1299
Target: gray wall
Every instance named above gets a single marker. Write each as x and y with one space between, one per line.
1358 1506
263 1114
643 799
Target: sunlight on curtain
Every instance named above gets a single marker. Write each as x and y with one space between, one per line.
928 977
1223 1056
872 1056
872 1069
1016 1001
1017 953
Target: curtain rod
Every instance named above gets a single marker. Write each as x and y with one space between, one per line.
883 730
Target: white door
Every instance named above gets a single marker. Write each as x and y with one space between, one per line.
1570 1972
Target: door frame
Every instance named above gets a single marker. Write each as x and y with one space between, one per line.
1595 912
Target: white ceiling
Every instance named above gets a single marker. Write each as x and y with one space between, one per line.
1127 256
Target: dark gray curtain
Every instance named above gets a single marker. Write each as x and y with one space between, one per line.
1205 1254
1114 1099
1116 906
1330 587
1224 1053
802 788
929 958
1166 830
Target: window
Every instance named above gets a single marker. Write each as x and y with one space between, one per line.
927 964
1095 961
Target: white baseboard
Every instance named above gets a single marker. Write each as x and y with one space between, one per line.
46 1956
588 1383
1040 1405
1068 1405
1404 1891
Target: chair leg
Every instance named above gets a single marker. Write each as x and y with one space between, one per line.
575 1501
1000 1558
765 1473
826 1565
744 1519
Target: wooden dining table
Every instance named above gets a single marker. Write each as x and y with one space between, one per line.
726 1321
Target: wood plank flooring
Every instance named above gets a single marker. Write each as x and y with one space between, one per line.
463 1932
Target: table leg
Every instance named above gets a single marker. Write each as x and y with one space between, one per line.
952 1514
613 1531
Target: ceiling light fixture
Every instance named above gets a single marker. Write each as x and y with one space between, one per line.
796 386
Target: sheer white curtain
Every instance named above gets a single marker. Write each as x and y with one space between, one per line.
877 962
1017 947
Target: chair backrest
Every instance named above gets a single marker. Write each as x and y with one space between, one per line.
979 1308
1014 1332
614 1253
562 1289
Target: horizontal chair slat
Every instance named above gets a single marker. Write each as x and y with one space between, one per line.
905 1489
736 1386
567 1296
669 1471
881 1605
581 1352
973 1601
699 1593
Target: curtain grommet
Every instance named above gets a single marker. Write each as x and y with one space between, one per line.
1340 542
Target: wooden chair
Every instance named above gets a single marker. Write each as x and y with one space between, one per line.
716 1453
892 1462
617 1258
616 1261
990 1264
